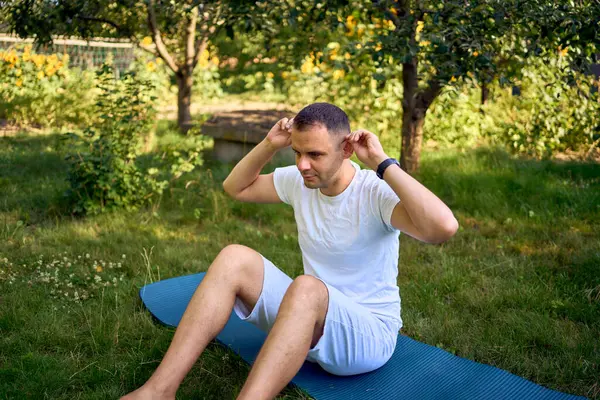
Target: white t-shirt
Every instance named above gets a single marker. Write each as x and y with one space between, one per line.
348 240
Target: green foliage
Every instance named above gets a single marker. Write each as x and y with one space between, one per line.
455 117
41 90
103 171
556 111
152 69
207 84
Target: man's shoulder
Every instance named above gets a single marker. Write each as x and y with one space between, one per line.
289 172
369 180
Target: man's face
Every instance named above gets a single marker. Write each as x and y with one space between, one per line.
319 155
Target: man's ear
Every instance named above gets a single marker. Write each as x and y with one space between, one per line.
347 148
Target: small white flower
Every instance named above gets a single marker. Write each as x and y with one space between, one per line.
87 255
124 256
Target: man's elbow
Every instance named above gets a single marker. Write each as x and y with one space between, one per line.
446 230
229 190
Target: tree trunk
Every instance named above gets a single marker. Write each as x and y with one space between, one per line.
485 93
184 100
412 138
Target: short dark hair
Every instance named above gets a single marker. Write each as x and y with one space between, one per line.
332 117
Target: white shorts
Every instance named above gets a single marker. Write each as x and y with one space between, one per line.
354 340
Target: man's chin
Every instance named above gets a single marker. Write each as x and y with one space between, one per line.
312 183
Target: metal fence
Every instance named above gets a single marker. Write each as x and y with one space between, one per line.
82 53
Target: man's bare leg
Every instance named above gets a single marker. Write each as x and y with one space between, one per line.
237 271
298 327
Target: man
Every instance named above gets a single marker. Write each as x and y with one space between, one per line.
344 313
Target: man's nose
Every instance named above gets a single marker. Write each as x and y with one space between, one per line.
303 163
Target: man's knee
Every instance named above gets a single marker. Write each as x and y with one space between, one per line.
238 261
308 291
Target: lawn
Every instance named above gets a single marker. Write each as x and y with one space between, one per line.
518 287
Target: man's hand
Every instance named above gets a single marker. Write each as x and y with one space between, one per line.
279 137
367 148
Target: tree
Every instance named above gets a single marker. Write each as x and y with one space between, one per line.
179 31
436 42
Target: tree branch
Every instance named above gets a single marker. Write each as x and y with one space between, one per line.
104 20
190 39
202 42
427 96
160 45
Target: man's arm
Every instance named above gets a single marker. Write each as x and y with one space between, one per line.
245 183
420 213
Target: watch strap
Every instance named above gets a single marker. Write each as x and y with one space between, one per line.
383 166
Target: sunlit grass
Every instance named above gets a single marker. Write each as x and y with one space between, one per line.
518 287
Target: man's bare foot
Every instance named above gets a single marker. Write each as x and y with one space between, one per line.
145 393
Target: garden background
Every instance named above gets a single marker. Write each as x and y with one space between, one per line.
108 181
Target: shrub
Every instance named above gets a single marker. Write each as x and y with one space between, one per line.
103 173
556 111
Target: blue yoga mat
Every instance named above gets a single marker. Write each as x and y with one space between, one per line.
415 371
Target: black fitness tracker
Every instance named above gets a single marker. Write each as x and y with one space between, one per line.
384 164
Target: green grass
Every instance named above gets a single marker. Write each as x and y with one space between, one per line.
518 287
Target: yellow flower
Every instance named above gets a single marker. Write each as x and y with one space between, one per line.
453 79
38 60
19 82
285 74
150 66
475 53
347 56
350 22
40 74
424 43
420 26
338 74
147 41
563 52
18 72
203 61
215 60
308 67
270 75
98 268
